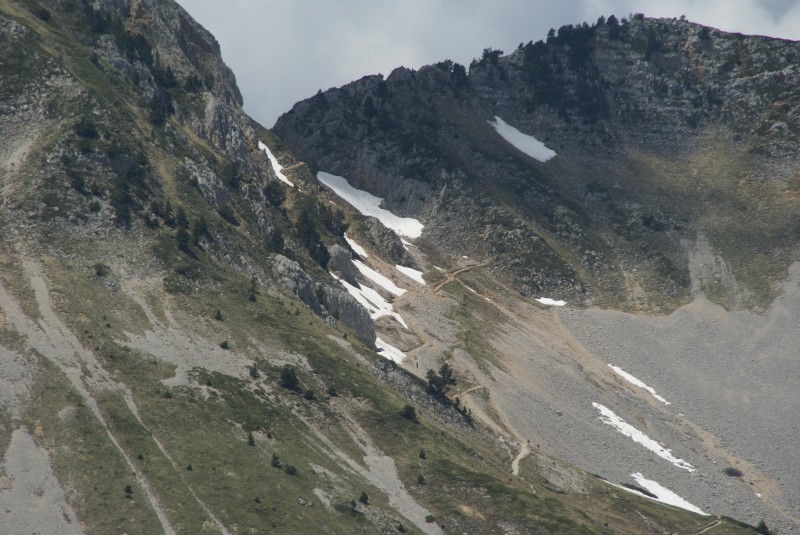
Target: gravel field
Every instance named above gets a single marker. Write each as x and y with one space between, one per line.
736 375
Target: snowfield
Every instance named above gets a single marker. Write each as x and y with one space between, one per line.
551 302
360 251
523 142
378 279
369 205
607 416
372 301
278 168
411 273
665 495
389 351
634 381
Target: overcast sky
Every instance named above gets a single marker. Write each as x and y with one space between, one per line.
283 51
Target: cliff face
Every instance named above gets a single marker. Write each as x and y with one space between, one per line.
663 130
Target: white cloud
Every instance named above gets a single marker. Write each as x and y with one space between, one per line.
283 51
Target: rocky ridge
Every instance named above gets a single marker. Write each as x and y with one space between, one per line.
663 129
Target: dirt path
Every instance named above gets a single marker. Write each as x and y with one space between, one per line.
12 159
451 276
711 526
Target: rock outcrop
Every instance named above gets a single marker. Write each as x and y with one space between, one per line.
331 303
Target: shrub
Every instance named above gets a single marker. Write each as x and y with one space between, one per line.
364 498
410 413
440 383
422 454
430 519
420 479
763 529
332 391
182 239
291 470
85 129
42 13
226 212
309 395
289 378
101 270
224 344
275 461
251 440
218 315
200 231
128 491
733 472
401 528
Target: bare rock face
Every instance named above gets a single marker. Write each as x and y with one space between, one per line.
343 307
331 303
387 244
341 264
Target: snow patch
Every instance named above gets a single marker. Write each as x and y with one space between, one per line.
634 381
389 351
372 301
360 251
406 244
378 279
551 302
278 168
607 416
665 495
369 205
523 142
411 273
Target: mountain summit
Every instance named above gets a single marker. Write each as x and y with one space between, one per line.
377 322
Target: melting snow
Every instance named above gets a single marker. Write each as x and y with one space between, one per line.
634 381
278 168
552 302
378 279
607 416
369 205
411 273
372 301
360 251
665 495
389 351
525 143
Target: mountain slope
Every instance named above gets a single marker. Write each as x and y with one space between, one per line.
671 191
176 356
666 133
